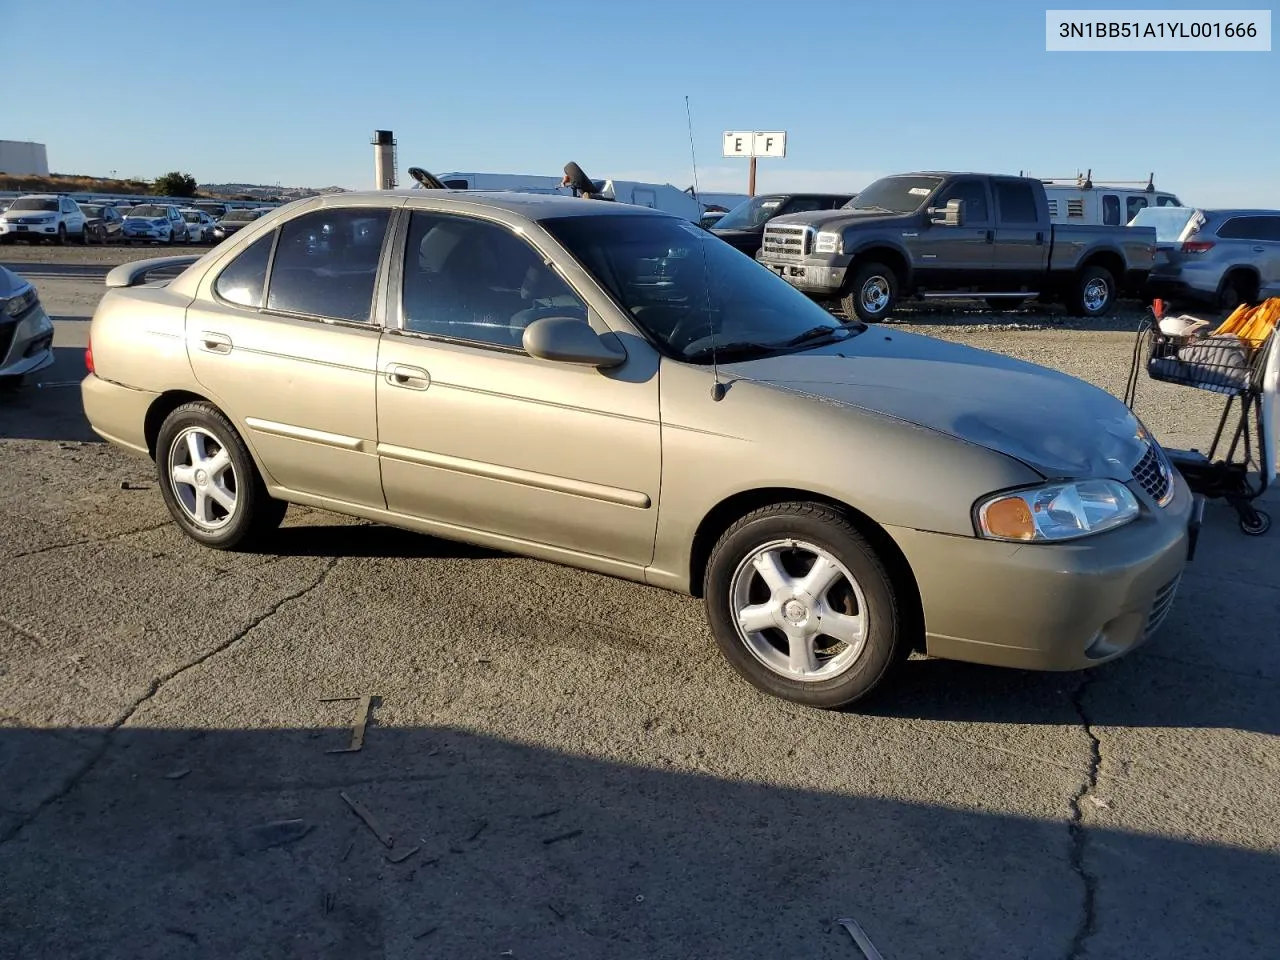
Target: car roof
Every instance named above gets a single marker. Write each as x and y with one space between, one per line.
532 206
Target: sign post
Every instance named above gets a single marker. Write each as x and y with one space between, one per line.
752 144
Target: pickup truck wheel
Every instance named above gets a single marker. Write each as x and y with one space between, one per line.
1094 293
209 481
871 294
802 607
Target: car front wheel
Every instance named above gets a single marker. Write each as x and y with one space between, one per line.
803 607
209 481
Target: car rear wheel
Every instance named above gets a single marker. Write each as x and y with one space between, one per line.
1094 293
803 607
209 481
871 293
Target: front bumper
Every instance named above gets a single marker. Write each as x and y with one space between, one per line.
139 233
1062 606
820 275
27 231
26 343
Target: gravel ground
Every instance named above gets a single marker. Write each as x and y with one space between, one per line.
563 765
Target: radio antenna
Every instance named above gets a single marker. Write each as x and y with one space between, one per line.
717 388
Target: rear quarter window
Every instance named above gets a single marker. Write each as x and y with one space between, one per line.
244 279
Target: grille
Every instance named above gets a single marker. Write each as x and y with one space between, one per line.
7 331
787 242
1161 606
1153 474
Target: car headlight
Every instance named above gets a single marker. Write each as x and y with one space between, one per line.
21 303
1057 511
828 243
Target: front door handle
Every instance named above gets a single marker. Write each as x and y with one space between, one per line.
1259 250
411 378
211 342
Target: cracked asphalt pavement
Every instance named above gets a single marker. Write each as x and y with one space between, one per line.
561 764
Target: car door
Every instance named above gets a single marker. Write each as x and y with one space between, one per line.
73 217
476 434
947 257
1021 249
287 344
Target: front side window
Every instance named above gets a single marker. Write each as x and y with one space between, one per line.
326 264
974 195
243 280
477 281
1132 207
690 292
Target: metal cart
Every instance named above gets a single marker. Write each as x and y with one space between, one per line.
1247 373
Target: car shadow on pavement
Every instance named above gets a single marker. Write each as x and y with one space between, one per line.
47 406
440 842
366 540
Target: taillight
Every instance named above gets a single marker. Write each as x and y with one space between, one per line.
1197 246
88 357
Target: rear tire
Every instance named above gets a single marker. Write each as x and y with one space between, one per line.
872 293
1093 293
12 384
209 481
801 663
1236 289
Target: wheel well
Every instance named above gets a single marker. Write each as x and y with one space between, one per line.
887 255
724 514
1247 282
1110 261
160 408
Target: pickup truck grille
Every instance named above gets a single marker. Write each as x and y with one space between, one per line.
786 242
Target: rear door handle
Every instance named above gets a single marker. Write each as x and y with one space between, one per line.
411 378
990 236
1259 250
211 342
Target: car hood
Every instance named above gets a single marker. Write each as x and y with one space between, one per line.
10 283
841 217
1054 423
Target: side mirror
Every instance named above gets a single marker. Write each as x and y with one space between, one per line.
569 340
952 214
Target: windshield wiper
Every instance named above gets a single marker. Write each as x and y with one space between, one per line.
739 349
821 332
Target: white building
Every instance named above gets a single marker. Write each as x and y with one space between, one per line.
23 158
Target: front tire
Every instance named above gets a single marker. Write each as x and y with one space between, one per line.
872 293
209 481
62 235
1093 294
803 607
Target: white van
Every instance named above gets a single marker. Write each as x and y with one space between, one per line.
1102 205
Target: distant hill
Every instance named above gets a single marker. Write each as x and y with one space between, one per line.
79 183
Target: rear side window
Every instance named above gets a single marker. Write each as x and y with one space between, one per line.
1111 210
243 280
327 263
1251 228
1016 202
1132 206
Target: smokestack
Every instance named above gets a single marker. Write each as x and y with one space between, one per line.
384 160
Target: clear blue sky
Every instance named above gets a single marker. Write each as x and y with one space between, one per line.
266 92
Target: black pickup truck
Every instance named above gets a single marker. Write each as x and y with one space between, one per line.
949 235
743 226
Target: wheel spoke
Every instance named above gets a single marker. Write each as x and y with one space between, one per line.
195 448
822 576
222 496
185 475
800 658
769 566
844 627
218 462
203 510
759 616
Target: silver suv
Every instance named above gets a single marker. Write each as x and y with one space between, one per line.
1218 257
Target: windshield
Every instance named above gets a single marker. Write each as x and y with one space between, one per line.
90 210
148 210
1168 221
238 215
749 213
191 217
35 203
690 291
895 194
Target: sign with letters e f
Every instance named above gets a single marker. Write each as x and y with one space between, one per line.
738 143
770 143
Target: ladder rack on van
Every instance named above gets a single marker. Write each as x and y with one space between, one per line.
1085 181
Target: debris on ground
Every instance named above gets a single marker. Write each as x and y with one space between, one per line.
426 933
130 485
369 819
177 774
275 834
479 828
563 836
405 855
361 724
860 938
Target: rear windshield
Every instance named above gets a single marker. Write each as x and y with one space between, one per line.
1169 222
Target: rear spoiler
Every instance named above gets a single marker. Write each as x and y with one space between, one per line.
133 273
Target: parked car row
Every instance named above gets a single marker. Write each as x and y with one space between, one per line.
57 218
